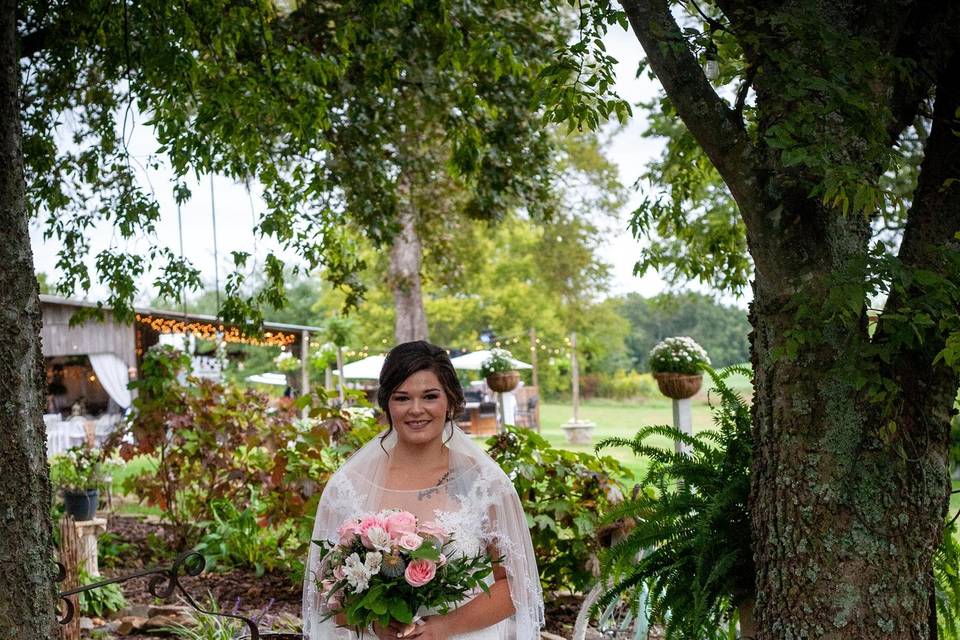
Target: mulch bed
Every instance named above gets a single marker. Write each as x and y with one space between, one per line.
271 598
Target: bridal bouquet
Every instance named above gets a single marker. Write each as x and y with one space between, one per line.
389 565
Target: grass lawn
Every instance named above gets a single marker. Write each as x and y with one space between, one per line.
127 504
624 418
621 419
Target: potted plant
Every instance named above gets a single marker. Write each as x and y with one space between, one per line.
677 364
289 365
500 372
79 473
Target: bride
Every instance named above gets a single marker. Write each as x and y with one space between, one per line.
425 465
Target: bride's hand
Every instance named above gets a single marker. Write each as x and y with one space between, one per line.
392 632
433 628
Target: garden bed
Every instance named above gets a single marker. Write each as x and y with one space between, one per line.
273 598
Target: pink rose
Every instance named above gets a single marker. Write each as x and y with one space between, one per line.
347 532
401 522
420 572
410 541
433 530
371 521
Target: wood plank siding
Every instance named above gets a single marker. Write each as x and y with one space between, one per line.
93 336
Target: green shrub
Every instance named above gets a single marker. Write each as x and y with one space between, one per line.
112 550
215 442
101 601
692 523
561 493
236 539
627 385
207 626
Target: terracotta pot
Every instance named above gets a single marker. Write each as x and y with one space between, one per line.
679 385
503 381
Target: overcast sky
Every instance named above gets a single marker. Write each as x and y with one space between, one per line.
236 209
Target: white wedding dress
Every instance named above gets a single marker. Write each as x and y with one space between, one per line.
476 503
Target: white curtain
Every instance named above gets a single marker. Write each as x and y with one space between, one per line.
113 376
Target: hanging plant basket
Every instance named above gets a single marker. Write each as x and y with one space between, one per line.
679 386
503 381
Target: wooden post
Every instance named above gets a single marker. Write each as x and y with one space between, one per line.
683 421
575 367
340 370
70 559
304 355
533 357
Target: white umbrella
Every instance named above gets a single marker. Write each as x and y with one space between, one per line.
473 361
366 369
277 379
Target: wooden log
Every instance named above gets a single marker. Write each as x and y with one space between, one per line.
70 559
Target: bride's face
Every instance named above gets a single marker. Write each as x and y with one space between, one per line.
418 408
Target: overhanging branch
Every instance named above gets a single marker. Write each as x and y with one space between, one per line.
716 127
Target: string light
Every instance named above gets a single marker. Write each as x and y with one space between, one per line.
208 331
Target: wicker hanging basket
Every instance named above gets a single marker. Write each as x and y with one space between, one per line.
503 381
679 386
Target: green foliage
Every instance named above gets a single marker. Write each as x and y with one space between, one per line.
621 385
691 541
101 601
287 362
389 596
498 361
218 442
236 538
303 99
721 329
77 469
339 330
946 574
208 626
113 551
561 492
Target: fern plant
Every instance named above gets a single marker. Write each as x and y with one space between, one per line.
692 523
946 584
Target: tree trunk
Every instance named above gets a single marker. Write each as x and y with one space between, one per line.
404 276
27 603
849 482
845 519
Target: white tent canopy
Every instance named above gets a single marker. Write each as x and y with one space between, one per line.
473 361
277 379
365 369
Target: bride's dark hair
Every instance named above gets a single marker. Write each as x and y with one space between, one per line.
408 358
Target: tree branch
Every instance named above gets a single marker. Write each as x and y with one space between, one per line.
930 245
928 39
33 42
714 125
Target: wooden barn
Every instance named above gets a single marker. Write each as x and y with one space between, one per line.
89 365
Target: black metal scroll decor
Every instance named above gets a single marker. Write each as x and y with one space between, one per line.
163 584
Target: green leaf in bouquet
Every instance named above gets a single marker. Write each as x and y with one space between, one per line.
426 551
400 611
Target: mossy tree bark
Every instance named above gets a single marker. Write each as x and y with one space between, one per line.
27 588
849 483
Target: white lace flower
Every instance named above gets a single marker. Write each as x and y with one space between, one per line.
372 562
379 539
356 572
